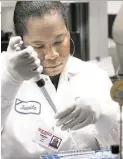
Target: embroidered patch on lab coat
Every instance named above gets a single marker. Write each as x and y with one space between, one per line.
27 107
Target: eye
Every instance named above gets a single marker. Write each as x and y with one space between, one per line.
57 42
38 47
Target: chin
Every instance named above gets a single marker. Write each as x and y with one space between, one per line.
53 73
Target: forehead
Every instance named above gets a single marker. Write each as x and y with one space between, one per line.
46 27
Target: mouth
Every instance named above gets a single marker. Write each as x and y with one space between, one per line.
53 66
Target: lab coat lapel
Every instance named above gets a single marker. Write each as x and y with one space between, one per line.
64 95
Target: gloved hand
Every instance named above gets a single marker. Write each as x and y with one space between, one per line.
78 115
21 64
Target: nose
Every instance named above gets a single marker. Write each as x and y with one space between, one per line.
51 54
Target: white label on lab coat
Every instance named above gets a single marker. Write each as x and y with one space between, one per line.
48 139
27 107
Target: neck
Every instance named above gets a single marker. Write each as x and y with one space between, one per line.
55 80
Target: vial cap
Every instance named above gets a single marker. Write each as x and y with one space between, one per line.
115 149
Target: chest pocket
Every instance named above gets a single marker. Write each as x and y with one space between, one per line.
27 107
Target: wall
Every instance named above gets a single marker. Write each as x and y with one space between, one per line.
6 19
98 26
98 42
7 10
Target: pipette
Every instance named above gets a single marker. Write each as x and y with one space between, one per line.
41 84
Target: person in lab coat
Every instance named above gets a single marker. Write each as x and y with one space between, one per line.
80 90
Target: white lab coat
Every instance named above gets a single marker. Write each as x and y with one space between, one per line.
79 79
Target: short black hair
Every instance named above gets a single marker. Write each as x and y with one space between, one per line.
26 9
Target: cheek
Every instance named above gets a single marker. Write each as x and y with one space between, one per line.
64 49
40 53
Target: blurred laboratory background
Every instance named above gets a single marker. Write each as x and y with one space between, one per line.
90 24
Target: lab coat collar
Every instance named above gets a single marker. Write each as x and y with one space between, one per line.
71 65
70 68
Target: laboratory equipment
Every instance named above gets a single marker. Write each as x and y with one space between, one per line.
82 154
117 96
115 151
